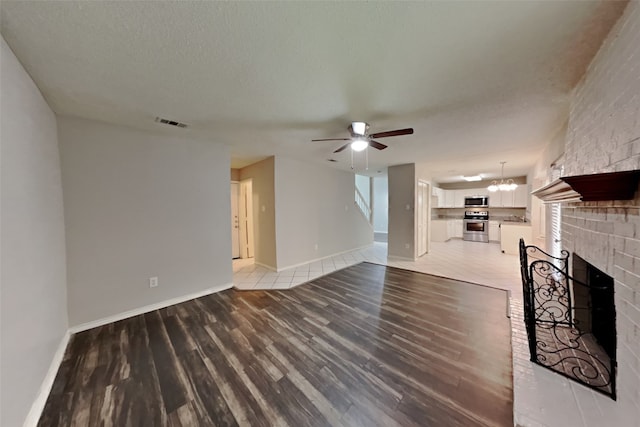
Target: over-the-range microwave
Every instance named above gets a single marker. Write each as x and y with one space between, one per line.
476 202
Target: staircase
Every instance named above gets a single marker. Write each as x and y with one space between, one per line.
364 208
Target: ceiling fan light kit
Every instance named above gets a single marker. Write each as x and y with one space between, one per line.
359 144
359 128
508 185
361 139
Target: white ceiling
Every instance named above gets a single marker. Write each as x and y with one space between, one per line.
479 81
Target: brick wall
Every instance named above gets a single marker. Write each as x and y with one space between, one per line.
604 124
603 136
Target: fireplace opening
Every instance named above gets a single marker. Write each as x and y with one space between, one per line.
599 317
570 320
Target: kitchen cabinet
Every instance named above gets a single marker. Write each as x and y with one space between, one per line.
500 199
508 199
517 198
439 193
521 196
449 198
439 230
457 228
494 231
495 199
461 194
445 229
510 235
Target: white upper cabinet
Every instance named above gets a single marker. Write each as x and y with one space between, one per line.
500 199
510 199
440 195
495 199
521 196
458 198
449 198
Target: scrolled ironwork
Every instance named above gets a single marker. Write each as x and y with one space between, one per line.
557 340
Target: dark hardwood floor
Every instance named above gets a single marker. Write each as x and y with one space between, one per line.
364 346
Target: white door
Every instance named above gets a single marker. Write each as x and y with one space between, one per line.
246 218
235 236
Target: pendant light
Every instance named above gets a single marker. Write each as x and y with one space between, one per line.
507 185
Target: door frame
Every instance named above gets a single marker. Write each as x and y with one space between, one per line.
246 226
423 218
235 219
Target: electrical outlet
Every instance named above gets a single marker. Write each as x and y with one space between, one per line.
153 282
406 246
315 247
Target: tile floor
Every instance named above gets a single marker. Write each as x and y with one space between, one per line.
541 398
483 263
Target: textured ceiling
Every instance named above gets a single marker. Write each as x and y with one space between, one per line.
480 82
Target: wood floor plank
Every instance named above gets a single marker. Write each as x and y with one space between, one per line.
367 345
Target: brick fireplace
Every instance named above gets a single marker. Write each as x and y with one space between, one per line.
606 235
603 136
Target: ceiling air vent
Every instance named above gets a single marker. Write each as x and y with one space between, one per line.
170 122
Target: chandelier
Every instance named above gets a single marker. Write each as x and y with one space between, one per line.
503 185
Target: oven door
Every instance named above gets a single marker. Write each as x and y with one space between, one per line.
475 230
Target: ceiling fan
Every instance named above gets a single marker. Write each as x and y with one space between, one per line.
361 139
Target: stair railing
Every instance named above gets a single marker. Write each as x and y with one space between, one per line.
363 205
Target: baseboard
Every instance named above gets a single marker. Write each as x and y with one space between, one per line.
268 267
147 308
45 388
324 257
381 236
400 258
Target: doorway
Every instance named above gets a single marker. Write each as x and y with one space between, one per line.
235 220
423 216
246 219
242 241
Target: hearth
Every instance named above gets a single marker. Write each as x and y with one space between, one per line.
570 320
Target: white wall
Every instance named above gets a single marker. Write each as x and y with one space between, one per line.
402 195
139 205
34 299
262 175
315 205
380 204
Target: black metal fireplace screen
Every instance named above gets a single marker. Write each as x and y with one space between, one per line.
570 323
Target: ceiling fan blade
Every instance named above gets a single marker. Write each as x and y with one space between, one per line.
331 139
398 132
376 144
342 148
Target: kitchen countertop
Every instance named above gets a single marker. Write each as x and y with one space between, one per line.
516 223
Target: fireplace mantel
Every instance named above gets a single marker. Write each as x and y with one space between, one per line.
589 188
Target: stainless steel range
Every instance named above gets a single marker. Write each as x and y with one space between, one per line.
476 226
